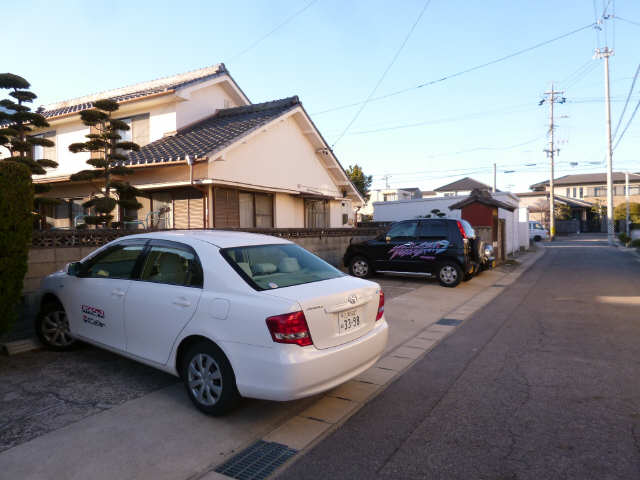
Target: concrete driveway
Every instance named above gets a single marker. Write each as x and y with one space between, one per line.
90 413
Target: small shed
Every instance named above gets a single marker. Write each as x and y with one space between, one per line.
480 209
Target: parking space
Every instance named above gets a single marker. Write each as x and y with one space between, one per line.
61 405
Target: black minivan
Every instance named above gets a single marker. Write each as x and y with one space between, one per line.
443 247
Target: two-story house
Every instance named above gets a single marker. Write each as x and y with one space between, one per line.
592 187
388 195
209 158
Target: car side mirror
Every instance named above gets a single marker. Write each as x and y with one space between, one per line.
74 269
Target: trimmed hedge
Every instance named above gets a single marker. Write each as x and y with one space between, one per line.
16 223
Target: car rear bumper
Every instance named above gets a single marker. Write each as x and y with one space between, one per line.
288 372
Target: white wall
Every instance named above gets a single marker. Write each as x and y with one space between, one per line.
407 209
162 119
279 157
68 162
201 103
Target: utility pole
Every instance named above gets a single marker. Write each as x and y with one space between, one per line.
551 153
606 53
494 178
386 181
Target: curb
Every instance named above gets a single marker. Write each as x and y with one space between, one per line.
303 431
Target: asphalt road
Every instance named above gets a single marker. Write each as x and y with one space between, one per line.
543 383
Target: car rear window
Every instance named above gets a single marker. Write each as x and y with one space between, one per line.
266 267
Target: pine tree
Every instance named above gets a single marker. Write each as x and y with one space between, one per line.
108 153
17 120
361 181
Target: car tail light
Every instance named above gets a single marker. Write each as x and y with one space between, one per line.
380 306
461 228
290 328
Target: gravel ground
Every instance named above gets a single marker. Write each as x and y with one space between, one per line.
43 390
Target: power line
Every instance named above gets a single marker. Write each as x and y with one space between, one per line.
462 72
626 103
626 20
626 127
272 31
384 74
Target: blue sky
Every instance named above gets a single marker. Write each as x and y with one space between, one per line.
333 54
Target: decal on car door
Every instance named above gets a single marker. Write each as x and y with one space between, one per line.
424 250
92 315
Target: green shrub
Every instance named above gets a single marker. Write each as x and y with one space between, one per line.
624 238
635 243
16 205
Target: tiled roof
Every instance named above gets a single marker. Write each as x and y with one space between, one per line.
138 90
587 178
484 197
463 184
213 133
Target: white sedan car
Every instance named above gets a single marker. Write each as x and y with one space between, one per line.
231 313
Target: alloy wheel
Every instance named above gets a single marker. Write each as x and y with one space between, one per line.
55 329
360 268
204 379
448 274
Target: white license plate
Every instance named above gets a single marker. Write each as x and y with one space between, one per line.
348 321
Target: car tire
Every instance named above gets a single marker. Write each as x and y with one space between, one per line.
450 274
209 379
537 238
360 267
52 327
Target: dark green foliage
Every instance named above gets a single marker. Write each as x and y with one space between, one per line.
361 181
15 82
620 212
21 120
16 204
108 155
624 238
635 243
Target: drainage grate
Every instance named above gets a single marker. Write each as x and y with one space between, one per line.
452 322
257 461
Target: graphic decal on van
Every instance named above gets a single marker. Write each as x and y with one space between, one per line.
424 250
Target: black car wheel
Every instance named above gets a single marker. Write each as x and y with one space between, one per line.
450 274
360 267
52 327
209 379
537 238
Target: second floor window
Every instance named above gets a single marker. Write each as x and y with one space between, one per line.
48 153
138 129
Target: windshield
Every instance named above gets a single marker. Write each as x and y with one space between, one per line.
266 267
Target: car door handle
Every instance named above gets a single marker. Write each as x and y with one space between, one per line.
182 302
118 293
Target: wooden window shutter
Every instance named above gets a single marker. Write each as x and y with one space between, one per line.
180 210
196 210
226 208
140 129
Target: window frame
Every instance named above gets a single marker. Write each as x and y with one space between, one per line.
135 272
415 232
169 244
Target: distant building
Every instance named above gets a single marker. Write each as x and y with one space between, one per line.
460 187
592 187
389 195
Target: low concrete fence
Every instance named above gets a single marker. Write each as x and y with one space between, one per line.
52 250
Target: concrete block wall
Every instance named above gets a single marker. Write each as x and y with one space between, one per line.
44 261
